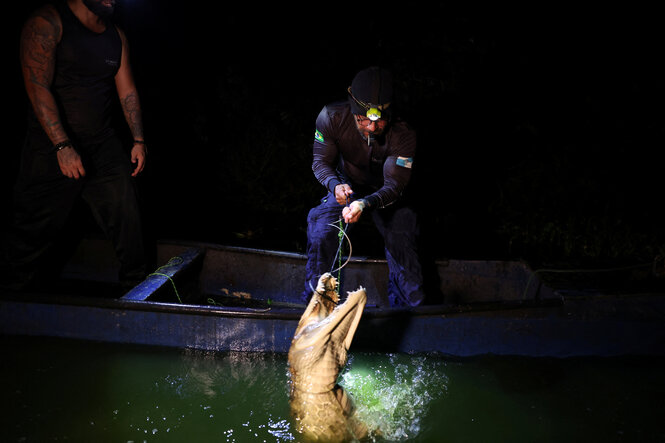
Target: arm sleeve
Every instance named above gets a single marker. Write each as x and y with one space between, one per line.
325 153
396 172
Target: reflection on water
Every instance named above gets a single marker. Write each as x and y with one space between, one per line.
78 391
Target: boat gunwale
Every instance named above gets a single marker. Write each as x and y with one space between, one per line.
273 312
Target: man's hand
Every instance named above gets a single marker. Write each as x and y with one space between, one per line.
352 212
342 193
139 154
70 163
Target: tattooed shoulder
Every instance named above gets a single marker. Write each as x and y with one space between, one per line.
43 28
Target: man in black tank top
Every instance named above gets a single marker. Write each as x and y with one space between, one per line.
75 66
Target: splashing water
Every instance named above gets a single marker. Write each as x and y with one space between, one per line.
392 393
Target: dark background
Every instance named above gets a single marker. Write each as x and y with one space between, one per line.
541 131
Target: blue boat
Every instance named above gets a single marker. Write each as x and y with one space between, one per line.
223 298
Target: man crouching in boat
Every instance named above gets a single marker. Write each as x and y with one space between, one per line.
321 407
363 155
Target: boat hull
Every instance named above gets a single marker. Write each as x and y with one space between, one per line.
520 316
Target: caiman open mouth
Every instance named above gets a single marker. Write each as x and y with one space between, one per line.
317 354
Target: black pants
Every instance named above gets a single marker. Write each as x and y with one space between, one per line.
44 199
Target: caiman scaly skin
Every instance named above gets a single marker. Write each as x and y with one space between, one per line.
320 407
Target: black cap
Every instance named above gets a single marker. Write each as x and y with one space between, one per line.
371 88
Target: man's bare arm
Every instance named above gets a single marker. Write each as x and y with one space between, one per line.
39 38
131 106
129 98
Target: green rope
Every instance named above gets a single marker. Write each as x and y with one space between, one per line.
171 262
340 235
172 283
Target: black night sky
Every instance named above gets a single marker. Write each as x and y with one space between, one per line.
540 130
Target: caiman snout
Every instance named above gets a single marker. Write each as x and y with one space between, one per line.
327 287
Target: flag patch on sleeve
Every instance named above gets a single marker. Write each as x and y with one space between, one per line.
318 136
405 162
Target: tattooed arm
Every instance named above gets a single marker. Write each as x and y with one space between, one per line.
39 39
131 107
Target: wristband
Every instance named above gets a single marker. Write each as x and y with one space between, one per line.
139 142
361 203
60 146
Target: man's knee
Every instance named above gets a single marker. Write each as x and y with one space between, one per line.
320 229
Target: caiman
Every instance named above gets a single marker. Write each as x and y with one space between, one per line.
321 408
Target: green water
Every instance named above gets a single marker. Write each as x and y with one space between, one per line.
59 390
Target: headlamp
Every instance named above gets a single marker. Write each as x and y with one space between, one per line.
372 111
373 114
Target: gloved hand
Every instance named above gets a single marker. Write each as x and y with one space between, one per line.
352 212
